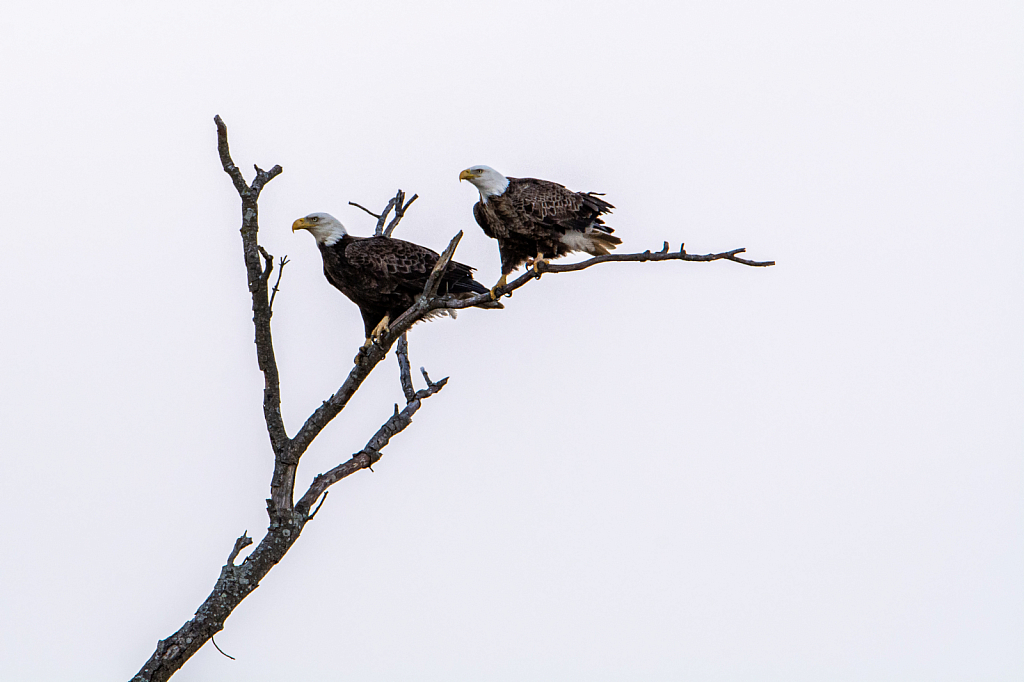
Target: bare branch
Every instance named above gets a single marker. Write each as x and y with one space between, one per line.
240 544
395 203
277 285
257 274
404 372
352 203
225 158
263 177
370 454
212 639
379 230
333 406
399 213
426 378
543 268
317 510
434 281
268 268
659 256
233 585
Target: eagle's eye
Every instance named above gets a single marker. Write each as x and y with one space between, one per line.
314 219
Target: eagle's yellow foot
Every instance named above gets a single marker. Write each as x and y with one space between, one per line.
536 265
500 283
361 353
380 330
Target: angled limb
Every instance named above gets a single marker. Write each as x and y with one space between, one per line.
371 453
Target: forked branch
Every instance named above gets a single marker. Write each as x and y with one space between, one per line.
371 454
400 208
237 581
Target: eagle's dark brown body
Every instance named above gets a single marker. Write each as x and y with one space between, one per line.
532 217
383 276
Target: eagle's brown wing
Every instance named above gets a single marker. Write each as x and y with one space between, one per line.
481 220
544 206
401 266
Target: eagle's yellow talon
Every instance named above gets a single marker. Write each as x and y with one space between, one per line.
361 353
499 284
379 331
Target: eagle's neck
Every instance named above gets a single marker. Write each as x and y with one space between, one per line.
328 234
493 185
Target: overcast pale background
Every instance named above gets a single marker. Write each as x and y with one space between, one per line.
641 472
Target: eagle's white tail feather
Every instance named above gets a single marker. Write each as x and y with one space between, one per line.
595 242
440 312
452 313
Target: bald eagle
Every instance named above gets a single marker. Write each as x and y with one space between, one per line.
381 275
534 220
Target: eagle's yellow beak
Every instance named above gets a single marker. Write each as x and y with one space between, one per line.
300 224
466 175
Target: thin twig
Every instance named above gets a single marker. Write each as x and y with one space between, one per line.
322 500
352 203
395 203
280 271
219 649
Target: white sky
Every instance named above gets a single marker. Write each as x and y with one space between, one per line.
658 472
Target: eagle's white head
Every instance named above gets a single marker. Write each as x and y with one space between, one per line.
489 181
325 228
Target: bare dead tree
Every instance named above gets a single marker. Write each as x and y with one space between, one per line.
287 517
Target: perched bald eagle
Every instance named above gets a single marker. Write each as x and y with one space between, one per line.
381 275
535 220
